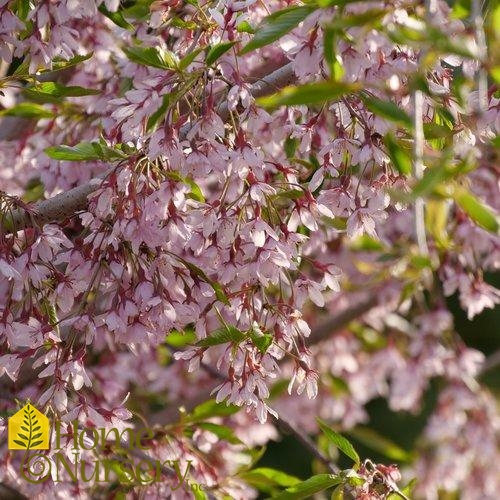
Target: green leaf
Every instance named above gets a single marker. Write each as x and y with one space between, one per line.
290 146
245 27
435 131
461 9
431 178
276 25
180 339
331 3
20 443
197 492
310 93
338 493
52 92
262 342
340 442
407 491
221 431
171 60
197 194
388 110
59 64
365 243
309 487
210 409
138 10
227 334
34 190
216 51
495 73
218 289
149 56
265 479
290 194
481 214
219 292
84 151
329 35
383 445
22 9
23 69
187 60
116 17
399 157
27 110
159 113
436 220
341 23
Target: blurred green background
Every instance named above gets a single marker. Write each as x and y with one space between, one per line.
403 428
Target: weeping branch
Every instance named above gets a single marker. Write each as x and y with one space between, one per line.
67 204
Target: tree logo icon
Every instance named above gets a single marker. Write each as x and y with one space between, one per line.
29 429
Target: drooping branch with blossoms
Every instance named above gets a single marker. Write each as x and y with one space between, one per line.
231 220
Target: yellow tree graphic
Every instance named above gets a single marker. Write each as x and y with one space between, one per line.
29 429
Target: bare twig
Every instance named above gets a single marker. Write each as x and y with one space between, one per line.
335 323
482 75
418 169
491 362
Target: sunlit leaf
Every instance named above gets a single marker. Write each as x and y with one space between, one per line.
27 110
222 336
159 113
309 487
149 56
310 93
340 442
276 25
266 479
388 110
59 64
53 92
373 440
210 409
400 158
221 431
84 151
262 342
216 51
116 17
481 214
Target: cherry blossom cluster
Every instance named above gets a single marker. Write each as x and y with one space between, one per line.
232 225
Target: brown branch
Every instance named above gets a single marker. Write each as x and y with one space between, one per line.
335 323
285 426
67 204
